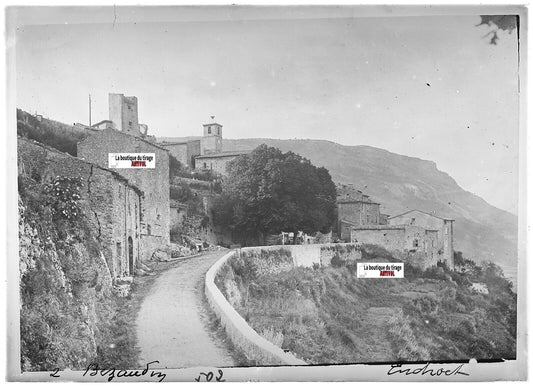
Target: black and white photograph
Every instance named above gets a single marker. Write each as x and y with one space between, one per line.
267 193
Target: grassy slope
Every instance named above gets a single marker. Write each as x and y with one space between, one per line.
328 315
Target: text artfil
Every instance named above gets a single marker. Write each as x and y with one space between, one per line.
380 270
131 160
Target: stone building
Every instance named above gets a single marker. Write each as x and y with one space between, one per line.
355 209
204 153
417 244
103 124
154 183
185 152
217 162
110 202
211 142
123 116
443 226
123 112
423 238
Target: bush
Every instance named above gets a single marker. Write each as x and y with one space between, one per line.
372 251
174 166
64 197
181 193
336 261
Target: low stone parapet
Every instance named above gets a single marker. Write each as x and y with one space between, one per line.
245 338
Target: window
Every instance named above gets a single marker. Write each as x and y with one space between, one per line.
218 130
149 229
209 130
415 242
130 123
129 107
119 249
413 220
205 165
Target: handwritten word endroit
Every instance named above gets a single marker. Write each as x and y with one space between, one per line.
425 370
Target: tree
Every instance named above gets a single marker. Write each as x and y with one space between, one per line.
175 166
498 23
268 191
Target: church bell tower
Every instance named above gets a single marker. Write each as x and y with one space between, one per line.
212 139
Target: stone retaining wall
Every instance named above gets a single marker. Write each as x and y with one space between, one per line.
255 347
321 254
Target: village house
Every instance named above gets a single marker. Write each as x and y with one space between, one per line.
205 153
443 226
418 244
355 209
185 151
109 201
217 162
153 182
423 238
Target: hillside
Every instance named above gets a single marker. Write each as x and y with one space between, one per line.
399 183
70 313
326 315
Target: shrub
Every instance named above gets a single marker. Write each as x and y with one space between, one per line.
64 196
372 251
336 260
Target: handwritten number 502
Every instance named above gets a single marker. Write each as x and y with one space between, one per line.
209 376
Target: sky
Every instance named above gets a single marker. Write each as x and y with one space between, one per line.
430 87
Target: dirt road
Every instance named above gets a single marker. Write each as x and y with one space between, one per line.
173 321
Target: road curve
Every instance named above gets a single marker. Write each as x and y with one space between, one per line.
172 323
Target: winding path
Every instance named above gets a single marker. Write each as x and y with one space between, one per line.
172 324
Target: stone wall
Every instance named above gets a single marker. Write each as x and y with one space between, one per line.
244 337
210 144
217 164
348 253
193 150
356 213
444 228
154 183
268 261
178 151
413 243
309 255
110 203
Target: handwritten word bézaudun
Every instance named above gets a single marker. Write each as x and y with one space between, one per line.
94 370
397 369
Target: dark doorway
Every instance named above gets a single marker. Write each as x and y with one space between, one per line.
130 254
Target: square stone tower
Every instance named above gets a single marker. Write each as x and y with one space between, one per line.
123 113
212 139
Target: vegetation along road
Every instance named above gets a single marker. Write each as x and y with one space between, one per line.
173 324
